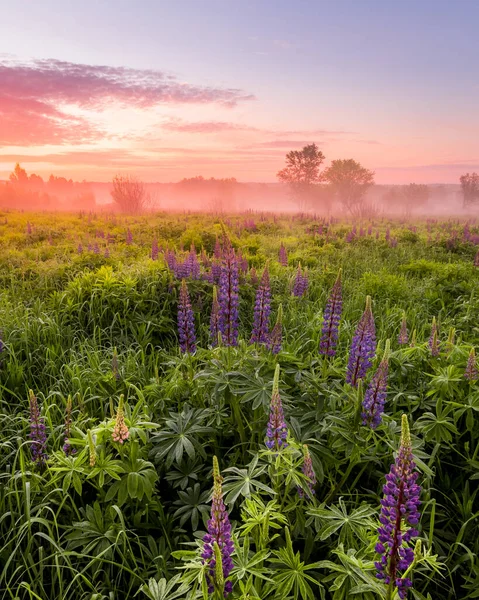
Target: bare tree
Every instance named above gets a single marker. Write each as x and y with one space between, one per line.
129 194
350 181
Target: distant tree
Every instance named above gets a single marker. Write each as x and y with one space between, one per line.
129 194
470 188
350 181
18 175
414 195
302 173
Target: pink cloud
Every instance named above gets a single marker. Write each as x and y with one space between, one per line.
181 126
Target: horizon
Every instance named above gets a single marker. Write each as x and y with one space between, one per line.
166 97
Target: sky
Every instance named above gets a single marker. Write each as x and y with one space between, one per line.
220 88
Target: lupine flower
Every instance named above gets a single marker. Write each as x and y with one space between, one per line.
262 310
276 336
283 255
29 228
38 432
218 538
253 275
277 430
192 264
308 471
170 258
80 249
399 517
228 297
215 318
300 283
91 448
216 264
96 249
331 319
67 448
186 321
403 337
363 346
154 249
107 252
433 341
120 430
375 396
129 237
471 372
114 365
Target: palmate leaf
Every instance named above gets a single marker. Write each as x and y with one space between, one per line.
164 590
437 427
243 482
192 505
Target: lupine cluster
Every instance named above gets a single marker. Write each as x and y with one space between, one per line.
375 396
67 448
262 310
276 335
228 296
129 237
38 432
471 372
120 430
403 336
399 518
219 535
215 318
433 339
186 321
276 430
308 471
363 346
283 255
331 319
154 249
301 282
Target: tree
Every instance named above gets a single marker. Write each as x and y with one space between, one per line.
470 188
302 173
129 194
350 181
18 175
413 196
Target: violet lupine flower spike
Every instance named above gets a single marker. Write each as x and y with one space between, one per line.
38 432
276 430
403 336
215 318
299 283
433 340
471 373
67 448
363 346
218 545
228 296
399 518
186 321
276 336
375 396
283 255
309 473
331 319
262 310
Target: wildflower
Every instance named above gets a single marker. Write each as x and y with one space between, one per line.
362 347
433 340
214 318
38 432
120 430
67 448
154 249
96 249
192 264
262 310
228 297
216 264
471 372
331 319
403 337
253 275
300 283
277 430
107 252
218 545
399 517
375 396
308 472
186 321
80 248
91 448
276 336
129 237
283 255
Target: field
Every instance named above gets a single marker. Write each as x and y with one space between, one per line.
122 408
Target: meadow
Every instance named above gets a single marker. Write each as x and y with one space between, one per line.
250 406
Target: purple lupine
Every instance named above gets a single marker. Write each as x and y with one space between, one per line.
96 249
471 372
107 252
219 535
375 396
154 249
228 296
215 318
276 335
283 255
363 346
403 336
399 518
186 321
216 263
67 448
433 339
331 319
308 472
80 248
205 261
193 266
129 237
262 310
300 282
276 430
253 275
38 432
